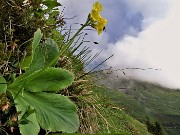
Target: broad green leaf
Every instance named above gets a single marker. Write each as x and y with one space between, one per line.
51 79
43 55
37 62
54 112
3 84
36 40
26 62
51 3
32 128
51 50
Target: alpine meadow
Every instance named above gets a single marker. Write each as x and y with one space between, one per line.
52 82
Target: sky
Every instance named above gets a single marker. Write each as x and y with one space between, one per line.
140 33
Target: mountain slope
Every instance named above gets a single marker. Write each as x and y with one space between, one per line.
143 99
114 120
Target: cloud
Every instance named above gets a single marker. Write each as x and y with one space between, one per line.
157 47
151 10
140 33
122 20
129 17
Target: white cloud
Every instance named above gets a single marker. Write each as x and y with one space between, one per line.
157 46
150 9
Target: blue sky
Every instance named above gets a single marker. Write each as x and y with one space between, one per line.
121 22
140 33
125 16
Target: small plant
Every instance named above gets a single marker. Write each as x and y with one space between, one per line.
35 81
34 92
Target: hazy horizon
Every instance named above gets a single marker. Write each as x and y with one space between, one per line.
140 34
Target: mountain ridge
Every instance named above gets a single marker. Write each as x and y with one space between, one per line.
142 99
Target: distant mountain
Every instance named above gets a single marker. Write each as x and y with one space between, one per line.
142 99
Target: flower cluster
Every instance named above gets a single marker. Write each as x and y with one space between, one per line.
97 21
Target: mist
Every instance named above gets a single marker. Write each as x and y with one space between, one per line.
150 41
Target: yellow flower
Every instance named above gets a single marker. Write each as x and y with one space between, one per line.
95 15
97 21
100 25
97 6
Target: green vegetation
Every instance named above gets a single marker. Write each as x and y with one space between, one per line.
142 99
44 89
28 90
117 120
39 81
155 129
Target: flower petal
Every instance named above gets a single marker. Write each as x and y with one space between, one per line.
95 15
97 6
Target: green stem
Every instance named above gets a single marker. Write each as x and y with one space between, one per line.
63 50
60 53
67 45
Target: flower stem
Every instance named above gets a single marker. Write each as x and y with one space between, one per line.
67 45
